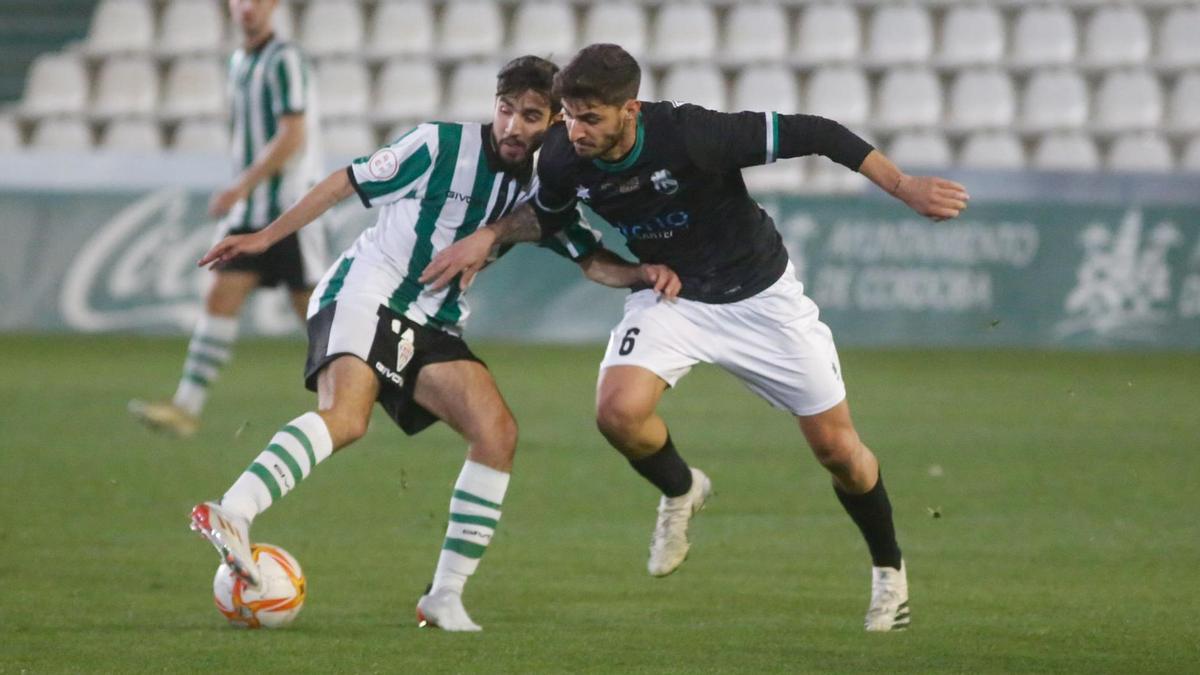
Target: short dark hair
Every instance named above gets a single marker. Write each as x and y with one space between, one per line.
599 72
529 73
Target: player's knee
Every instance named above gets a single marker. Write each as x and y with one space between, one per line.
618 417
497 446
344 426
836 451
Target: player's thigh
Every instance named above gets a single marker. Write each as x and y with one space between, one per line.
653 336
464 395
229 291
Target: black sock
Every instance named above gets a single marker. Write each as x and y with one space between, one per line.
666 469
872 513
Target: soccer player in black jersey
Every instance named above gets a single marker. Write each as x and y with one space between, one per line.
668 177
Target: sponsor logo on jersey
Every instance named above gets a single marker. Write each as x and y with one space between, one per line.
451 194
383 164
664 182
662 226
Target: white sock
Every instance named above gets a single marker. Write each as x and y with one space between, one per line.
209 350
290 457
474 513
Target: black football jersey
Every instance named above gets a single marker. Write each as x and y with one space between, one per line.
678 196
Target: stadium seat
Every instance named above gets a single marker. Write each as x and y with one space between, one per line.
1066 151
347 139
1183 112
1191 156
899 34
782 176
828 33
121 27
470 28
10 135
194 87
697 83
622 23
1141 152
132 135
992 150
67 134
684 31
407 89
907 98
1177 43
344 88
981 99
648 90
57 84
202 136
1044 35
401 28
1054 99
766 88
332 28
471 92
545 28
840 93
1116 36
126 85
756 32
920 149
191 27
1128 100
972 35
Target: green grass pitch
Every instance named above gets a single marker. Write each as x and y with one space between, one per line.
1068 487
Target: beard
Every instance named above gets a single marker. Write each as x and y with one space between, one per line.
605 144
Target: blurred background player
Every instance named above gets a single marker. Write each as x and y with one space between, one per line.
276 157
376 333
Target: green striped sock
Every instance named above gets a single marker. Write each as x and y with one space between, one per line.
289 458
209 350
474 513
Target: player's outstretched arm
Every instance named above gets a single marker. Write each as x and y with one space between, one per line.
605 267
930 196
275 154
469 255
320 199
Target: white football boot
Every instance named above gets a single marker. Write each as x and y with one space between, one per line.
669 545
889 599
165 417
444 609
231 537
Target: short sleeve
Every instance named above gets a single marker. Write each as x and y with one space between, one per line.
288 78
397 170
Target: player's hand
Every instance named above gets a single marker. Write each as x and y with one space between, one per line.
662 278
466 256
223 201
235 246
933 197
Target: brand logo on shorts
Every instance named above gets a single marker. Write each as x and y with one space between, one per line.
383 164
389 374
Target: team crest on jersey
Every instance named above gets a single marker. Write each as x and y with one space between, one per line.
383 164
664 182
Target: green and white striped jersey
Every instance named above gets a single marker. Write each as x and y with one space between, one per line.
435 185
264 85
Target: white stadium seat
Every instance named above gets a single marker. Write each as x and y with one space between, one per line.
648 89
992 150
1066 151
907 98
840 93
132 135
57 84
1177 43
194 87
546 29
62 135
622 23
1054 99
1143 152
766 88
685 31
1116 36
344 86
920 149
695 83
121 26
345 140
401 28
1128 100
899 34
1183 111
756 32
126 85
202 136
332 27
1044 35
191 27
471 93
981 99
785 175
470 28
972 35
1191 156
828 33
10 135
407 89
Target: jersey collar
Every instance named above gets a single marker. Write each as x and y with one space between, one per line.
629 159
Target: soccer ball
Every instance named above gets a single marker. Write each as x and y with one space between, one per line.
276 604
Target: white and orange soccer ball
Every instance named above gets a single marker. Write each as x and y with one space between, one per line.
276 604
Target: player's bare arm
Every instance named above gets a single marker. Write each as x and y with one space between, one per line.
286 142
469 255
930 196
609 269
320 199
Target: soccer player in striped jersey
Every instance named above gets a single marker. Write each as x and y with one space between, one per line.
275 160
378 333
